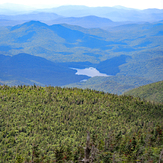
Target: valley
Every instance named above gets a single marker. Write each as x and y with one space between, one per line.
129 50
81 84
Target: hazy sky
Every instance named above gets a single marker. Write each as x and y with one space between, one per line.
140 4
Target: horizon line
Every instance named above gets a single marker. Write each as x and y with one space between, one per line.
33 7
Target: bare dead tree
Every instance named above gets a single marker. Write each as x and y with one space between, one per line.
89 152
161 156
87 149
94 152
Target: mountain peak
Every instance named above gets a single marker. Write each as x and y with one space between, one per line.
36 23
123 8
28 24
93 17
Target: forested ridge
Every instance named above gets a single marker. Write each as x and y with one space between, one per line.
51 124
152 92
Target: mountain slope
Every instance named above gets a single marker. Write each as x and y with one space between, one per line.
151 69
111 66
47 124
32 37
90 21
151 92
11 20
28 69
113 84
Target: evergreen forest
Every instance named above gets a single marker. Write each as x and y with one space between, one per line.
152 92
54 124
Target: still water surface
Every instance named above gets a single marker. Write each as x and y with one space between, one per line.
91 72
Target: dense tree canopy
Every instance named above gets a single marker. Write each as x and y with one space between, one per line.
50 124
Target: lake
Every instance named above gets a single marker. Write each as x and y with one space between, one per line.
91 72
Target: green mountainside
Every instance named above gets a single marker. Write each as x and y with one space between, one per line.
50 124
113 84
151 92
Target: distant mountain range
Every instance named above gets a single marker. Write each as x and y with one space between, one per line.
12 14
113 13
131 53
44 53
90 21
11 20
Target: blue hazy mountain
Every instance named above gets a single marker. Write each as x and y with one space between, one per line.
133 51
27 68
113 13
31 31
111 66
12 14
11 20
67 43
90 21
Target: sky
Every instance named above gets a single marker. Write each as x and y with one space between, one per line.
139 4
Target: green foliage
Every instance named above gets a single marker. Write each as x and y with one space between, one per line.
59 154
113 84
19 159
152 92
48 124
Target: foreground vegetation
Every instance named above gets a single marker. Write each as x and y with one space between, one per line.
152 92
50 124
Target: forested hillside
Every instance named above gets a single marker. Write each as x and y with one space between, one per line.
112 84
50 124
152 92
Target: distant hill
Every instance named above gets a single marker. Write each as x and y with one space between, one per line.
113 84
27 69
52 40
11 20
90 21
111 66
151 92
